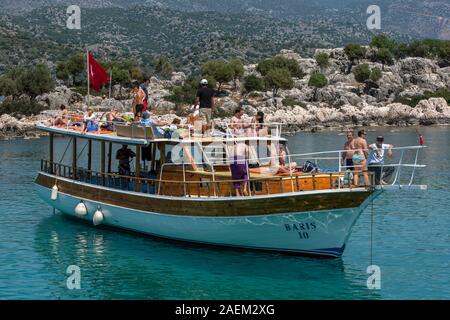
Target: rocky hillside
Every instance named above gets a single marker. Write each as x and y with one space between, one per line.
343 102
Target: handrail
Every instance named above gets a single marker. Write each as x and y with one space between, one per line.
114 180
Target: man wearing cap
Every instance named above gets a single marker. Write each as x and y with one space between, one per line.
205 99
376 160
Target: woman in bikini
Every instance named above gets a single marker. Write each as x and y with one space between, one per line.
360 157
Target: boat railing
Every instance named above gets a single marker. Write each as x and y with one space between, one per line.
294 160
200 188
133 130
253 130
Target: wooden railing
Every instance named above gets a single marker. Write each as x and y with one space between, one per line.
203 188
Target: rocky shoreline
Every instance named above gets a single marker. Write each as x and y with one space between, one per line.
342 103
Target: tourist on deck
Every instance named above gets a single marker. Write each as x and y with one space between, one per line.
376 161
238 125
360 157
239 169
138 96
61 118
347 156
285 167
90 123
112 118
124 155
257 127
145 88
205 100
147 121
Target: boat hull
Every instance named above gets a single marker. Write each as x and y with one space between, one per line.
318 232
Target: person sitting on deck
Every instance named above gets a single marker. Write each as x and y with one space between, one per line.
147 121
124 155
59 120
90 123
178 130
111 118
239 169
284 168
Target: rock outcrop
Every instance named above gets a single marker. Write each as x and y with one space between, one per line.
342 102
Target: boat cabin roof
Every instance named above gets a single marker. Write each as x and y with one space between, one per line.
143 136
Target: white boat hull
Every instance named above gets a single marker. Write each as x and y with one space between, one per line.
321 233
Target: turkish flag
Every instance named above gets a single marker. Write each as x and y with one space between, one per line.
97 75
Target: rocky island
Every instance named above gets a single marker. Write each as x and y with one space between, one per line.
343 100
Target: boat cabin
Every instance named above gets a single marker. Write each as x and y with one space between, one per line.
190 166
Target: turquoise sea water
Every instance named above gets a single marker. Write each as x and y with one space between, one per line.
411 242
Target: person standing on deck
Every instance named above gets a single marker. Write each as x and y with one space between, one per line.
205 99
145 88
239 169
138 96
360 157
238 125
124 155
347 157
376 160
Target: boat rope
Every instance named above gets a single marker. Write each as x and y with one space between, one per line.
62 158
65 151
82 150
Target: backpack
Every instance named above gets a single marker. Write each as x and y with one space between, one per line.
310 167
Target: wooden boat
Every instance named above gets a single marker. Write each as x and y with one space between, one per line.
194 200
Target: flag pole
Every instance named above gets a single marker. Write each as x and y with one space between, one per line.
88 81
110 82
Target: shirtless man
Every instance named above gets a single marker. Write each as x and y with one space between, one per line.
237 123
347 157
360 157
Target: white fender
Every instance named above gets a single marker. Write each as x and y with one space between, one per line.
80 209
98 217
54 195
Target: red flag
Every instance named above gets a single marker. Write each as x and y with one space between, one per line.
97 75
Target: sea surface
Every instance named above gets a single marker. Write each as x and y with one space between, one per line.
409 237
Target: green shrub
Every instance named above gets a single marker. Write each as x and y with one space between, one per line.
317 80
376 74
253 83
414 100
362 72
280 63
355 51
323 60
23 107
277 79
291 101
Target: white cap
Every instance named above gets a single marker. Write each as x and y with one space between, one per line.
204 82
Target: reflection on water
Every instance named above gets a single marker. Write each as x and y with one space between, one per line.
410 243
135 266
